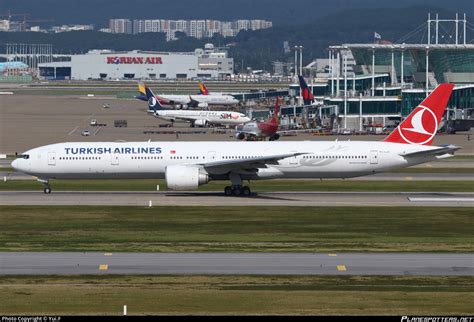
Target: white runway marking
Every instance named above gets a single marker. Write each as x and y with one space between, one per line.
418 199
74 130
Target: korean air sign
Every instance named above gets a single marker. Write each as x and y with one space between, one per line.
134 60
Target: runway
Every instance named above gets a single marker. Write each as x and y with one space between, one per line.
13 176
101 198
237 263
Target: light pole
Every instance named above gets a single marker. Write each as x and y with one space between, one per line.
296 61
301 73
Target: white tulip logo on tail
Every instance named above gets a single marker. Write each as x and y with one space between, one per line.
422 129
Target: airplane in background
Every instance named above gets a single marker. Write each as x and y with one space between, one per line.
204 91
187 165
306 93
189 101
257 130
195 117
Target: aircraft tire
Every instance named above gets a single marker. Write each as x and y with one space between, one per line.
47 190
246 191
228 191
237 191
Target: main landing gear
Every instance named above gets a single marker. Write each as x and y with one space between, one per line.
237 189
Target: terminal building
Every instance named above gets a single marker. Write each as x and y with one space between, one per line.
369 86
207 63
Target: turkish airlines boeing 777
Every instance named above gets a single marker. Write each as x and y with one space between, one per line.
186 165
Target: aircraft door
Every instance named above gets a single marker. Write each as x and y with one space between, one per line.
374 157
51 158
211 155
114 159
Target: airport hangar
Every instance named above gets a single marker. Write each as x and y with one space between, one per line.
136 64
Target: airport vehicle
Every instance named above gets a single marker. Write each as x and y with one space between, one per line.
195 117
85 133
256 130
95 123
189 101
120 123
187 165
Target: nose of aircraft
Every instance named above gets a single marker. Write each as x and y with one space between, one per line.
15 164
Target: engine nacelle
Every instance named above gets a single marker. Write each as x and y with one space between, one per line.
203 105
240 136
200 122
274 137
184 177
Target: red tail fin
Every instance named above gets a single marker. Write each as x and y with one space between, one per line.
275 117
421 125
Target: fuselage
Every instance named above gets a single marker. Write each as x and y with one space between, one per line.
335 159
207 99
211 117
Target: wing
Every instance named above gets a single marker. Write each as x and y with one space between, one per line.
247 164
437 151
193 102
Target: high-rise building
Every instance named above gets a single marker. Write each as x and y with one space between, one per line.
120 26
193 28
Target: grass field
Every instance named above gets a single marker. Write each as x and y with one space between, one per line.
405 170
435 170
231 295
271 229
257 186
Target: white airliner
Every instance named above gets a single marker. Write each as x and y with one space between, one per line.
193 101
195 117
186 165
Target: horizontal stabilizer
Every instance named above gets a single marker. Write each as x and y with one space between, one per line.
440 150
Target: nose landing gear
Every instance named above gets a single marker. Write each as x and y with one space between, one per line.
45 182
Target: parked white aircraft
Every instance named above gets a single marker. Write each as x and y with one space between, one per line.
193 101
195 117
186 165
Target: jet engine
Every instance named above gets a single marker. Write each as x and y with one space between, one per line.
240 136
274 137
200 122
183 177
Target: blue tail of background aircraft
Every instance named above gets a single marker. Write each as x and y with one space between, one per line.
147 95
306 93
153 102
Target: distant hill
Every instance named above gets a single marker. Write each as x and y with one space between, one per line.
257 49
281 12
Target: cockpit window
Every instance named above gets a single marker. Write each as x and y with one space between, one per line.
24 156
